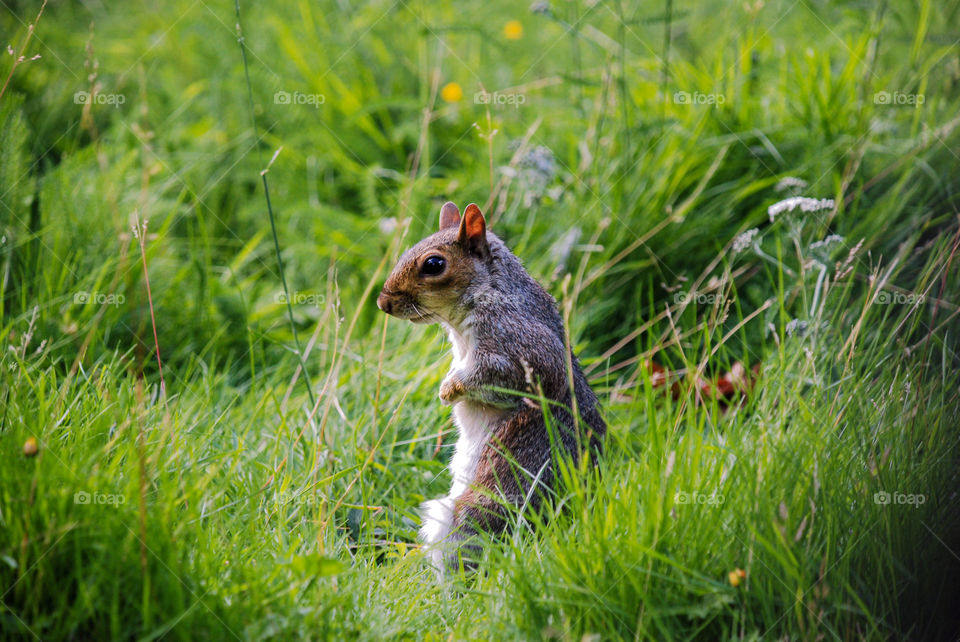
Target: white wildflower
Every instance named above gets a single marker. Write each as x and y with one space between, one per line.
745 240
387 225
805 204
790 182
535 170
825 247
833 239
541 8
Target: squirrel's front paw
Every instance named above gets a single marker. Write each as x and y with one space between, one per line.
451 389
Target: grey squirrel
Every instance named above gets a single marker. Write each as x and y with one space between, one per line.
507 335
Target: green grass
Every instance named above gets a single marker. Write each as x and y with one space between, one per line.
232 508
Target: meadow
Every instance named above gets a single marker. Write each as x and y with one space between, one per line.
209 431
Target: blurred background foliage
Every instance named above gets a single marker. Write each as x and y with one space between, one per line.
620 154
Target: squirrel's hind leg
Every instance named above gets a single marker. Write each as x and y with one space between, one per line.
436 524
475 510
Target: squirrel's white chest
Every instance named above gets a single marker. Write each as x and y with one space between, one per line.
462 349
474 422
473 419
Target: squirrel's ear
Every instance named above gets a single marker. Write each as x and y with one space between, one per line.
449 216
473 231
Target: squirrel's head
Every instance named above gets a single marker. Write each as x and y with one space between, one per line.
430 278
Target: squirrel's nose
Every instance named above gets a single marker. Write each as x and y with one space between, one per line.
384 303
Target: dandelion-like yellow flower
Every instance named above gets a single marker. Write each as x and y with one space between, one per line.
451 92
513 30
736 576
30 447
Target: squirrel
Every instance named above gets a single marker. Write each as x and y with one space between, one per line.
509 354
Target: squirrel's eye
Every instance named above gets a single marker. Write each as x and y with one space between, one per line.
434 265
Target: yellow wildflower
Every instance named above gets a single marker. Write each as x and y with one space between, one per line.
736 576
30 447
513 30
451 92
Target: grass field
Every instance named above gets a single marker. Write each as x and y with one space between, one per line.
637 157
